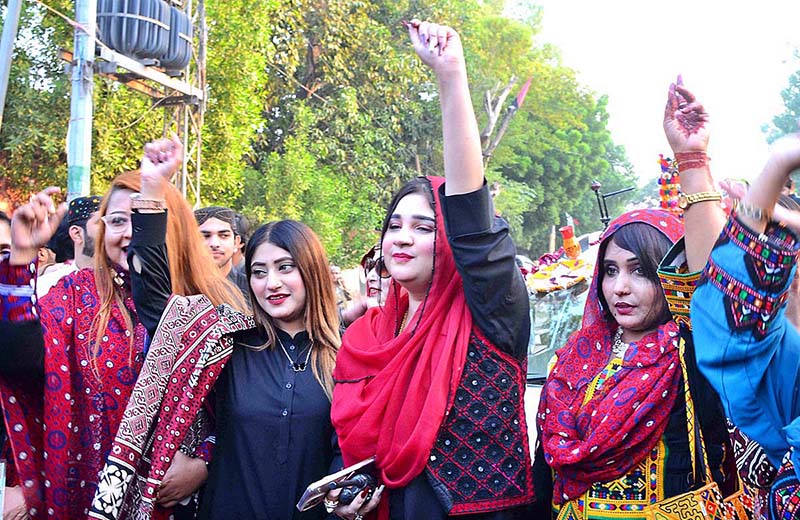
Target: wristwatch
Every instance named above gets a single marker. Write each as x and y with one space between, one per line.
137 202
684 201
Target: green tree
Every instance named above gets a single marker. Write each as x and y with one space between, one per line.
786 122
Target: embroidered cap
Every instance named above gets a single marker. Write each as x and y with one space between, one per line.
82 208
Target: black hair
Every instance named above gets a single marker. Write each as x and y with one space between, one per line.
5 218
242 229
419 185
61 243
650 246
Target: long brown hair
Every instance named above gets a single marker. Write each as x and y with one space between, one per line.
320 316
191 267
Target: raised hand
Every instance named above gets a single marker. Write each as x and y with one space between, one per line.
785 153
685 120
160 161
34 224
438 46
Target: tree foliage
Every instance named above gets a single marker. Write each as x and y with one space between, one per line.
786 122
318 111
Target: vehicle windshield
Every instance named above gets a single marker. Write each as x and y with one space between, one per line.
554 316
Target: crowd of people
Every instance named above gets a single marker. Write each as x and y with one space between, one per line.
163 363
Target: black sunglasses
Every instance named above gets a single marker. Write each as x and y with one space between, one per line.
375 263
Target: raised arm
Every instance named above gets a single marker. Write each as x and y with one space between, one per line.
147 257
739 318
439 47
686 128
759 204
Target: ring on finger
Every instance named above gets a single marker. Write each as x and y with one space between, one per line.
330 505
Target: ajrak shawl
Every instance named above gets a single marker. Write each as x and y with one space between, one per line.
61 431
607 436
191 345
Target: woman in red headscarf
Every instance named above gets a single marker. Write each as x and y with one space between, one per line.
612 416
432 383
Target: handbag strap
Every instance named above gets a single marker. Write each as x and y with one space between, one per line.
693 429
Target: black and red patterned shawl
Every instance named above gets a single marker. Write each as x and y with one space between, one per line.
190 348
602 439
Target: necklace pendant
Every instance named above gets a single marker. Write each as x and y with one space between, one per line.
298 367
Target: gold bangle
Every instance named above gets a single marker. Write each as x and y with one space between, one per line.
137 203
684 200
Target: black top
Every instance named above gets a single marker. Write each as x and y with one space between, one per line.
498 300
274 435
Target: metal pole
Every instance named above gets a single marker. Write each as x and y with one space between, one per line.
79 135
7 48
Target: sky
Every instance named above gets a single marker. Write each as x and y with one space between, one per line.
735 56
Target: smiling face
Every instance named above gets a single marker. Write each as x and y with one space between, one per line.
408 243
116 241
634 300
278 287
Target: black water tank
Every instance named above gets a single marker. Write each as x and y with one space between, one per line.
136 28
180 42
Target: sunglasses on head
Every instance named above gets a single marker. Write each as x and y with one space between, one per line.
370 263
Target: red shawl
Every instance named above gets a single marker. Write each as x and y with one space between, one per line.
605 438
392 393
64 428
187 355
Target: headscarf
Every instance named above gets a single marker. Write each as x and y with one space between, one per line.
606 437
392 392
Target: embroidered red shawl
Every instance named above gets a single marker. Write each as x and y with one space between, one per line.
60 432
392 393
187 355
606 437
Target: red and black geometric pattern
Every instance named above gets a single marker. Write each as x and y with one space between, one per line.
481 456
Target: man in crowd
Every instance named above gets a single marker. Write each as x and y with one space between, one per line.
218 227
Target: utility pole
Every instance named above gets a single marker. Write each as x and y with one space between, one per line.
79 136
7 48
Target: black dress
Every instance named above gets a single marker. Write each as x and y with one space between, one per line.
273 430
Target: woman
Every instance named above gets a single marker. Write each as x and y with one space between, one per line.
749 348
612 416
272 398
377 277
432 383
71 359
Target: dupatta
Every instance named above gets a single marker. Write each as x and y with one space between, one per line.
604 437
392 392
